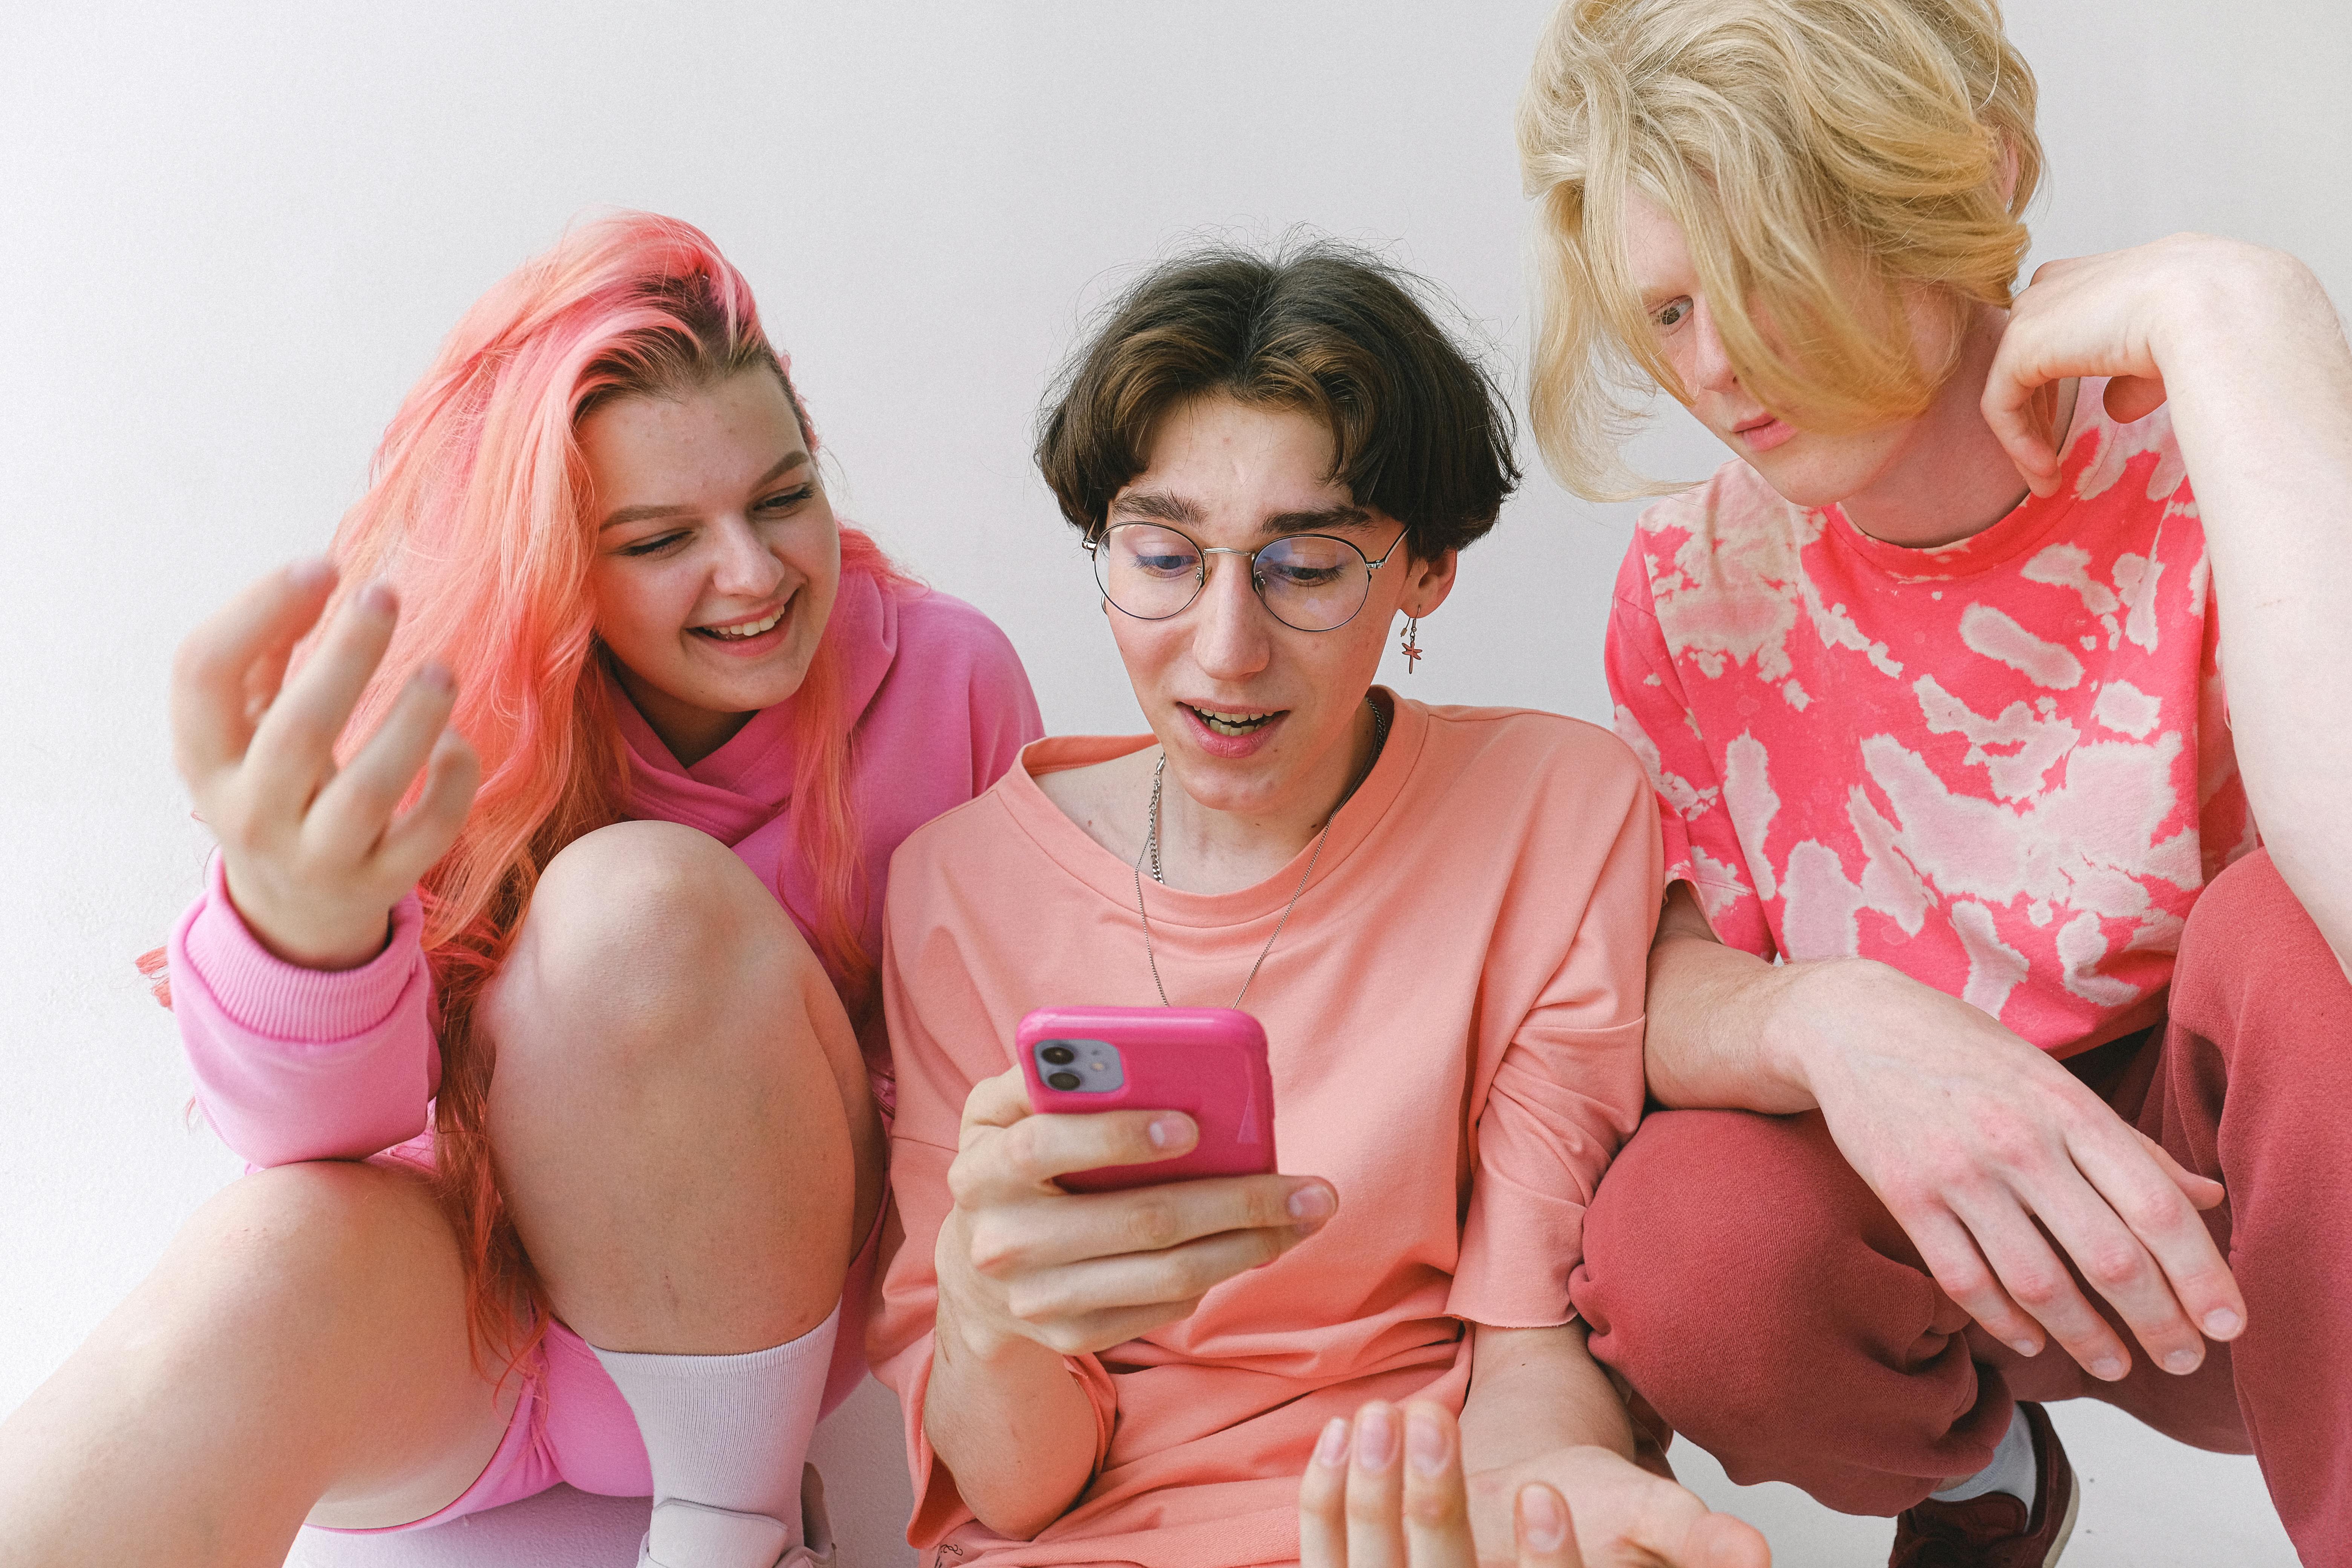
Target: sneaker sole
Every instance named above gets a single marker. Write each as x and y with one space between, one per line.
2066 1525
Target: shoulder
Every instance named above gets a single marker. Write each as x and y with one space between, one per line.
940 627
1526 748
1729 527
2128 465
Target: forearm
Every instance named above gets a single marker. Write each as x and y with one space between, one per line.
1012 1426
2260 381
1534 1391
1726 1030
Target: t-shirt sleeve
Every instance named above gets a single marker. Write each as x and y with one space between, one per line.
924 987
300 1064
1655 717
1568 1090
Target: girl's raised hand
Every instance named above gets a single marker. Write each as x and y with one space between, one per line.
1075 1272
315 856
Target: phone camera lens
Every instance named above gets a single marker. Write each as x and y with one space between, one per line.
1060 1057
1065 1081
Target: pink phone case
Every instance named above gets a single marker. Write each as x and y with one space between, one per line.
1207 1062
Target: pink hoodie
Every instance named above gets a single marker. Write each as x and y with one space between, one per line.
299 1064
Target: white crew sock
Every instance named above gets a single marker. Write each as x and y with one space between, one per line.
725 1432
2012 1470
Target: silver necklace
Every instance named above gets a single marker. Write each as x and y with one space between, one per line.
1151 851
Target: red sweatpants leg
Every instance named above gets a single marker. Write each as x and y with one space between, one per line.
1744 1280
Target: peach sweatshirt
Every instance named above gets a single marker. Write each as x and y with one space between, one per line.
1455 1014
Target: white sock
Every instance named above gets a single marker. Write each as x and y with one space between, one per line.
726 1432
2012 1470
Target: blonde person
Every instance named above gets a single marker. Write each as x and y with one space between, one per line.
1439 914
2045 1096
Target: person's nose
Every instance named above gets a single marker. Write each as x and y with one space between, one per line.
746 568
1710 368
1230 636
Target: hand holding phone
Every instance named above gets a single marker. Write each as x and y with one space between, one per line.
1208 1062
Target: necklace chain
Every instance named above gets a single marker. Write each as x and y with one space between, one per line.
1151 850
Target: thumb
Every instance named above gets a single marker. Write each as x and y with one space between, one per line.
1719 1541
1545 1533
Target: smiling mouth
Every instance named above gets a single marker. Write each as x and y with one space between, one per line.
743 630
1231 723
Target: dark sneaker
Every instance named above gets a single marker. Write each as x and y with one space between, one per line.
1996 1530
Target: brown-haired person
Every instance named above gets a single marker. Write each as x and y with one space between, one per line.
1931 679
1439 915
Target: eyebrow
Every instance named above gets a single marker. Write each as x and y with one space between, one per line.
784 465
1162 507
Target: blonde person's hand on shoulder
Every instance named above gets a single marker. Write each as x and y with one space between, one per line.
1387 1490
1020 1258
316 856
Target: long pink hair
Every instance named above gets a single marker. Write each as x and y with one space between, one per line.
475 514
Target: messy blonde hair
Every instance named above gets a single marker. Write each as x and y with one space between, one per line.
1828 159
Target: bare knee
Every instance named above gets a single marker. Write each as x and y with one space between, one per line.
298 1260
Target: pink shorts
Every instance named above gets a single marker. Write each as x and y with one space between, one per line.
573 1426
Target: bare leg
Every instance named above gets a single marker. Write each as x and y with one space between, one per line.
302 1345
680 1113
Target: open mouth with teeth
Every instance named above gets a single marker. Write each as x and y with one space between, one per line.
1225 723
743 632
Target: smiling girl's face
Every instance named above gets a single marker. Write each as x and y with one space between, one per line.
718 557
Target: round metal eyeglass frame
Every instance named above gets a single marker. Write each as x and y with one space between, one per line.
1095 547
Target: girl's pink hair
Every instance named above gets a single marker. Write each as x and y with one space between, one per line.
475 514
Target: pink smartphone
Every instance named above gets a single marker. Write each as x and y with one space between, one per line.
1207 1062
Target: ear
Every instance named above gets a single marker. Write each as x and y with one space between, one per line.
1428 583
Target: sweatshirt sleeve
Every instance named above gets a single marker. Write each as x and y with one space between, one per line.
303 1064
1004 716
920 967
1568 1090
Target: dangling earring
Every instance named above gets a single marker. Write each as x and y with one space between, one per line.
1409 647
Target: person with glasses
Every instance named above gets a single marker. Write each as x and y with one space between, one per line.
1439 915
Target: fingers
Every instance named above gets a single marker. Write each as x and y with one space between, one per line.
292 751
1376 1489
2202 1192
1323 1500
1951 1256
353 813
1545 1534
1095 1285
1437 1505
212 674
2181 1289
2036 1279
429 828
1046 1230
1719 1541
2012 407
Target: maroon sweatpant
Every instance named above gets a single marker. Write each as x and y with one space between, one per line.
1759 1298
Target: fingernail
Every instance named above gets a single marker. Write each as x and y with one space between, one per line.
2108 1368
1424 1443
1375 1437
1168 1132
378 596
2222 1322
312 573
1331 1449
436 677
2025 1347
1543 1522
2182 1361
1311 1204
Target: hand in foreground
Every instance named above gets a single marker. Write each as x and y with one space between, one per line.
1970 1136
1019 1257
2120 315
316 857
1387 1490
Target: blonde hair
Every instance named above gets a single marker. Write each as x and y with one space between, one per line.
1826 160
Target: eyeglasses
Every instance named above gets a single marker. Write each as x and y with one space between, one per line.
1310 582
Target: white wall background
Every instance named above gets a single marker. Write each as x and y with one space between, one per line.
231 234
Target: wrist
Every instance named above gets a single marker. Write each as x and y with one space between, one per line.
1802 1031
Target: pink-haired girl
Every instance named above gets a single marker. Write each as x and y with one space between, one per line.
570 1158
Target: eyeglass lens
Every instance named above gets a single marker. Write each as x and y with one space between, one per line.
1313 582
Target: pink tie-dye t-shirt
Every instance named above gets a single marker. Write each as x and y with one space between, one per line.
2002 766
